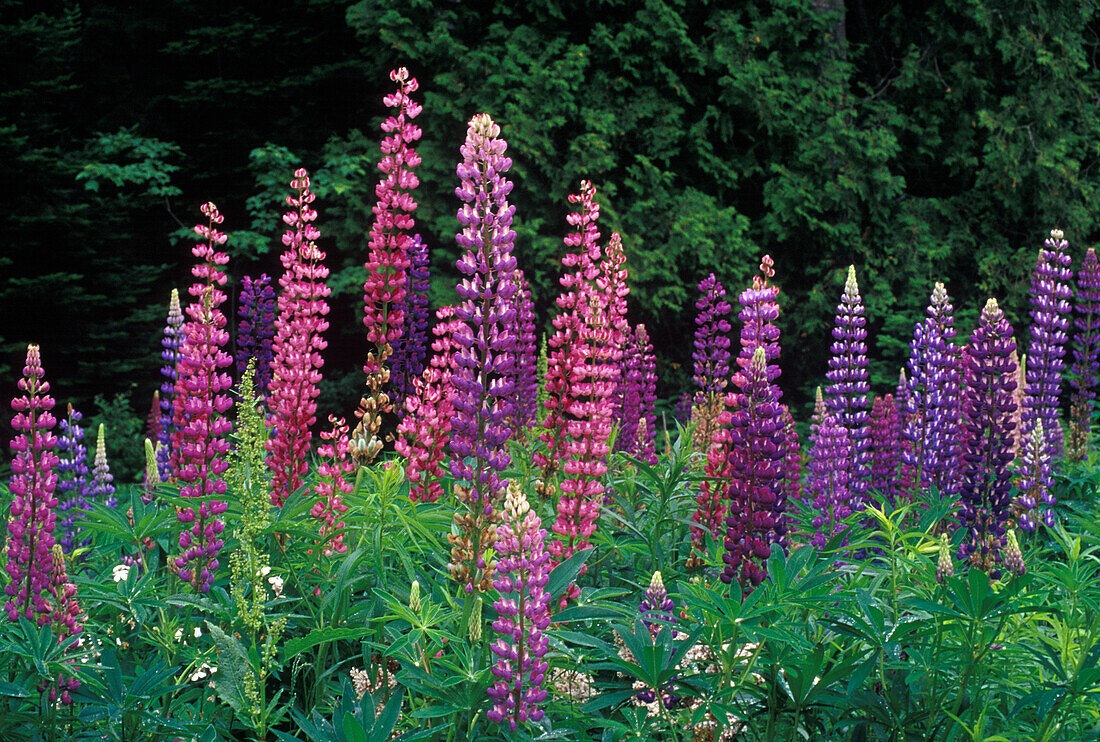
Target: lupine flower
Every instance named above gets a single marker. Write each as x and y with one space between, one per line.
256 330
299 330
847 396
945 567
711 358
1014 558
711 502
984 510
426 427
1086 357
101 486
388 259
332 486
410 352
1035 476
72 482
933 416
1049 296
635 397
527 373
523 612
755 520
152 420
170 354
885 447
1018 397
645 446
792 459
828 479
65 614
484 374
199 425
33 482
657 608
759 311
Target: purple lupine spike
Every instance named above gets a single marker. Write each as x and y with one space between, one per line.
759 311
484 375
523 612
1049 296
72 481
657 608
847 397
627 401
712 343
101 486
256 330
827 482
1034 476
1086 357
792 460
755 520
33 482
990 378
886 447
646 446
199 422
170 354
527 373
411 350
682 412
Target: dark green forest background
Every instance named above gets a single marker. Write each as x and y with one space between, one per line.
921 141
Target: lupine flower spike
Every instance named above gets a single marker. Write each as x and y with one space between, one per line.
72 483
984 507
102 486
523 612
299 340
199 425
333 485
256 329
170 343
388 260
1086 358
410 352
847 396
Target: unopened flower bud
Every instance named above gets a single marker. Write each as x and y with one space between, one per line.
944 566
414 598
474 626
1014 558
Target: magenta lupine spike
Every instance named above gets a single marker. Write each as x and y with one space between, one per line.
411 351
484 374
101 487
152 420
200 428
527 373
712 343
885 447
848 395
1086 356
299 340
566 356
33 483
792 459
256 329
710 503
755 518
603 327
426 427
72 482
388 258
759 311
984 507
933 416
170 354
523 612
65 616
333 486
827 482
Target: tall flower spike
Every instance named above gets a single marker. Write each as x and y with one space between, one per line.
1086 358
102 486
170 354
984 511
388 259
1035 478
847 396
527 374
484 375
1050 295
933 423
755 519
72 482
523 612
885 447
200 427
256 330
411 351
711 358
299 340
33 482
827 482
333 486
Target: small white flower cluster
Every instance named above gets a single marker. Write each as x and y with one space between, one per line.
121 572
179 633
203 671
275 581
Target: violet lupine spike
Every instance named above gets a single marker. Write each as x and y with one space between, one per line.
712 343
170 354
886 446
299 341
682 412
827 482
627 402
848 395
256 329
755 518
101 487
759 311
484 374
657 608
388 259
527 373
72 481
200 427
792 460
1034 476
646 444
411 352
984 503
523 612
1086 357
152 420
33 483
